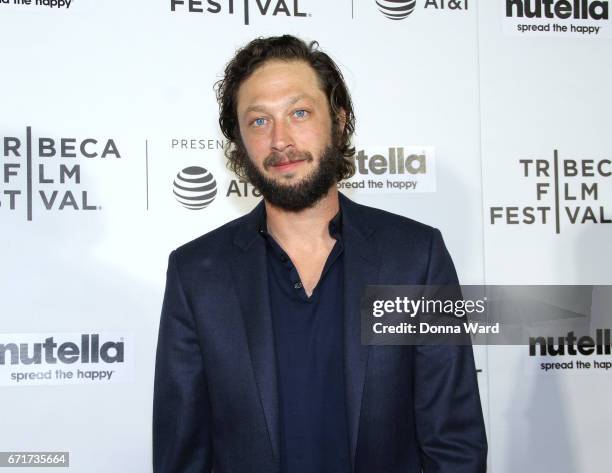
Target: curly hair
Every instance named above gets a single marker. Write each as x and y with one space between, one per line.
285 48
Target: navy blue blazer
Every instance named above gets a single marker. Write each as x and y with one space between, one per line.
215 406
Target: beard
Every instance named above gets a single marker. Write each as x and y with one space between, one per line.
303 194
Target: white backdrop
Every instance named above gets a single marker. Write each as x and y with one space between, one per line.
124 91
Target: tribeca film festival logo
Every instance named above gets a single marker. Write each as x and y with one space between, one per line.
276 8
45 173
401 9
567 190
396 169
195 188
565 18
35 359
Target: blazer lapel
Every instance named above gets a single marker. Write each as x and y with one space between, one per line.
361 267
249 270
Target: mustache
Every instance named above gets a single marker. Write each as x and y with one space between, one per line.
274 159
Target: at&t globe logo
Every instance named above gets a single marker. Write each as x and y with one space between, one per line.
195 188
396 9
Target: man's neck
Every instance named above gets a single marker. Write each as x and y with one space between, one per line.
308 228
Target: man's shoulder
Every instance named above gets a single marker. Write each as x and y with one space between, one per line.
409 249
389 223
217 243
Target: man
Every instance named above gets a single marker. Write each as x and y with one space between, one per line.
259 362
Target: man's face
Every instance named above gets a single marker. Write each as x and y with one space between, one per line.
286 130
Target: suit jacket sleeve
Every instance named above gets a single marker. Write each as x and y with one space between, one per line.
448 413
181 410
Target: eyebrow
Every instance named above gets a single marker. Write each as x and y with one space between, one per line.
290 101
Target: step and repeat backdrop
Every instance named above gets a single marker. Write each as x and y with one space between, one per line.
498 113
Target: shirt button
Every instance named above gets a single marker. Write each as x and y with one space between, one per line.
297 285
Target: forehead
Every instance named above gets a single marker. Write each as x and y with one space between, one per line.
276 81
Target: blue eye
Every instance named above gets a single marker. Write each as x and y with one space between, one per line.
259 122
300 113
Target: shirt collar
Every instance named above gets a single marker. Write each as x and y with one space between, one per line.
334 226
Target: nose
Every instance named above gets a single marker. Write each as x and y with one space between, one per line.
281 137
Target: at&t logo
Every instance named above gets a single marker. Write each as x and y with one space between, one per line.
396 9
401 9
195 188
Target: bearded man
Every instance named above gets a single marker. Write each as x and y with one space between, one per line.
260 366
